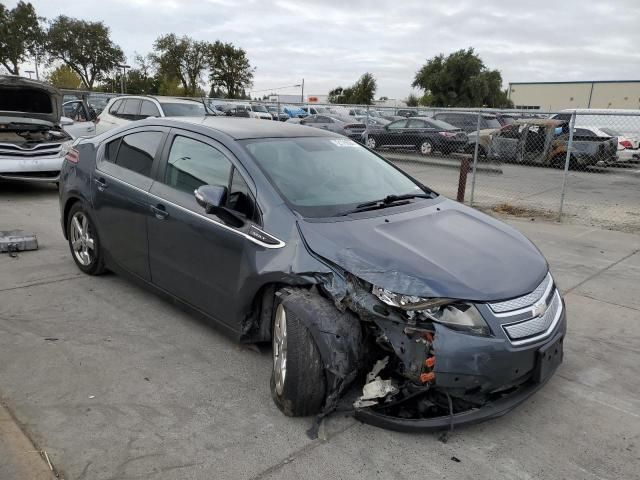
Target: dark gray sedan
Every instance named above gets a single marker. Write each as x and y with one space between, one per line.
307 239
344 125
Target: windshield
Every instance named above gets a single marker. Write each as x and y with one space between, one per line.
321 177
183 109
259 108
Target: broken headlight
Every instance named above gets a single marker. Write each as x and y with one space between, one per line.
464 317
455 315
406 302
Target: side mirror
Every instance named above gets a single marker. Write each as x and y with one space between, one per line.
65 121
213 199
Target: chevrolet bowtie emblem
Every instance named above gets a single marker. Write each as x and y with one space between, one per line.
539 308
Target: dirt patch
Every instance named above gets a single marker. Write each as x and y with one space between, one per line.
518 211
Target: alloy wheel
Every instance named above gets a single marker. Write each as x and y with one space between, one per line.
280 348
82 242
426 148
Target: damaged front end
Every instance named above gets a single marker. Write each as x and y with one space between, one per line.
436 363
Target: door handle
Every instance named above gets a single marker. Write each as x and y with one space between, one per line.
101 183
159 211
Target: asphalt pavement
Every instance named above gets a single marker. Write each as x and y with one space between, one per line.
116 383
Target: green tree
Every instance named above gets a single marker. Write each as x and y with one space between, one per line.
84 46
64 77
362 92
230 71
182 59
412 100
460 80
20 35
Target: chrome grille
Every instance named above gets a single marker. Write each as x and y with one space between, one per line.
538 325
524 301
38 150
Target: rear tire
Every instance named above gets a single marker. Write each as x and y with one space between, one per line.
84 242
298 389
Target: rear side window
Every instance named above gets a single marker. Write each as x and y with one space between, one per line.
149 109
193 164
114 108
137 151
130 109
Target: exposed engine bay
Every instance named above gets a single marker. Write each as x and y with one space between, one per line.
26 133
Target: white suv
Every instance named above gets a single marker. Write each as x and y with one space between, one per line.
122 110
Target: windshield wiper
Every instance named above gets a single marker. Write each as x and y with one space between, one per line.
388 201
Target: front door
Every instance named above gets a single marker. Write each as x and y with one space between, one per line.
195 256
393 133
120 199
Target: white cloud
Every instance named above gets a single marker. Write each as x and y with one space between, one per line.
332 42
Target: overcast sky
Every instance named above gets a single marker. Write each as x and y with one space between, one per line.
332 42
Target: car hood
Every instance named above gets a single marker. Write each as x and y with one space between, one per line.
443 250
25 98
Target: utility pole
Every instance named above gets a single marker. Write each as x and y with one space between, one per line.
124 71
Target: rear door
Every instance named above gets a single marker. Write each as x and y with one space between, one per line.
120 196
193 255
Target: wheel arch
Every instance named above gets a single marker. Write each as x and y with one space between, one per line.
71 201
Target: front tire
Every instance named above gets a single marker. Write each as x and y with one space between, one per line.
426 148
84 242
371 143
297 380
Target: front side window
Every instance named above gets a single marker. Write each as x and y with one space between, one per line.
240 198
137 151
397 125
417 124
193 163
322 176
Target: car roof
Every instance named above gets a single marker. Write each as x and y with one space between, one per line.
548 122
243 128
153 97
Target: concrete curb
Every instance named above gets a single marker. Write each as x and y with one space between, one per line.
19 458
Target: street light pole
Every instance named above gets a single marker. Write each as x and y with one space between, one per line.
302 92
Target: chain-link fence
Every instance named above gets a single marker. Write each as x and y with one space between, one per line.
579 166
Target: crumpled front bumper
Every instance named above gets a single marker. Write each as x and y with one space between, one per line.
537 362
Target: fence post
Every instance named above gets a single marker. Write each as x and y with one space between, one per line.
366 129
567 162
475 160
